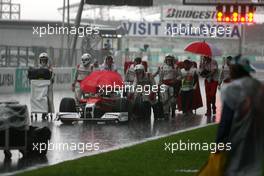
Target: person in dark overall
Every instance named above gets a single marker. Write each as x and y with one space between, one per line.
189 79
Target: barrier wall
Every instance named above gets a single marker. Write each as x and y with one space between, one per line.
64 78
22 83
7 80
14 80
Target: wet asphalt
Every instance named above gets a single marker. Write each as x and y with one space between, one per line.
97 137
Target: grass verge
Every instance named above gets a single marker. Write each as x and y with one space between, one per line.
149 158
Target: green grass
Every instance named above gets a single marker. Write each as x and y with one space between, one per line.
145 159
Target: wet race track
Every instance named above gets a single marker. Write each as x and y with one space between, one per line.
99 137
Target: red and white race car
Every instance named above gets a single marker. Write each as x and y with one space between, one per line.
101 100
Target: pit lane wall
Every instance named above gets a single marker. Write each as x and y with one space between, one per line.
14 80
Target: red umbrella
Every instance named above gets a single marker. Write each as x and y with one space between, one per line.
203 48
101 79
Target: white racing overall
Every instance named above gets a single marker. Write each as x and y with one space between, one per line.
81 73
146 96
130 74
167 75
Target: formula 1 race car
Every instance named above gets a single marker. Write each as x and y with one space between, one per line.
100 100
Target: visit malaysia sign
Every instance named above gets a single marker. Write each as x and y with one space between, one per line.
182 30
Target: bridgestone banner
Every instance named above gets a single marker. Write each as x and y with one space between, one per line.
188 13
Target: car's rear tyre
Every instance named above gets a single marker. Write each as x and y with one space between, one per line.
122 105
146 110
158 110
67 122
98 113
142 110
68 105
8 154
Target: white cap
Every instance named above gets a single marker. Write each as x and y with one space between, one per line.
86 56
43 55
139 67
170 55
43 59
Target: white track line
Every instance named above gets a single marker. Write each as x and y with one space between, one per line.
187 170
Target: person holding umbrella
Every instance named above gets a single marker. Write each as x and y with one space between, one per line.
209 71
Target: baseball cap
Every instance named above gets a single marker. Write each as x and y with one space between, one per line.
244 62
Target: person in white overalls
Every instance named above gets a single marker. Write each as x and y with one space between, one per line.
130 73
82 70
224 76
44 62
144 97
167 77
108 64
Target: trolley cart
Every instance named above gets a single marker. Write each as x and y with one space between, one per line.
14 124
41 98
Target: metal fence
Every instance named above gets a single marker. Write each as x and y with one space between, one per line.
18 56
